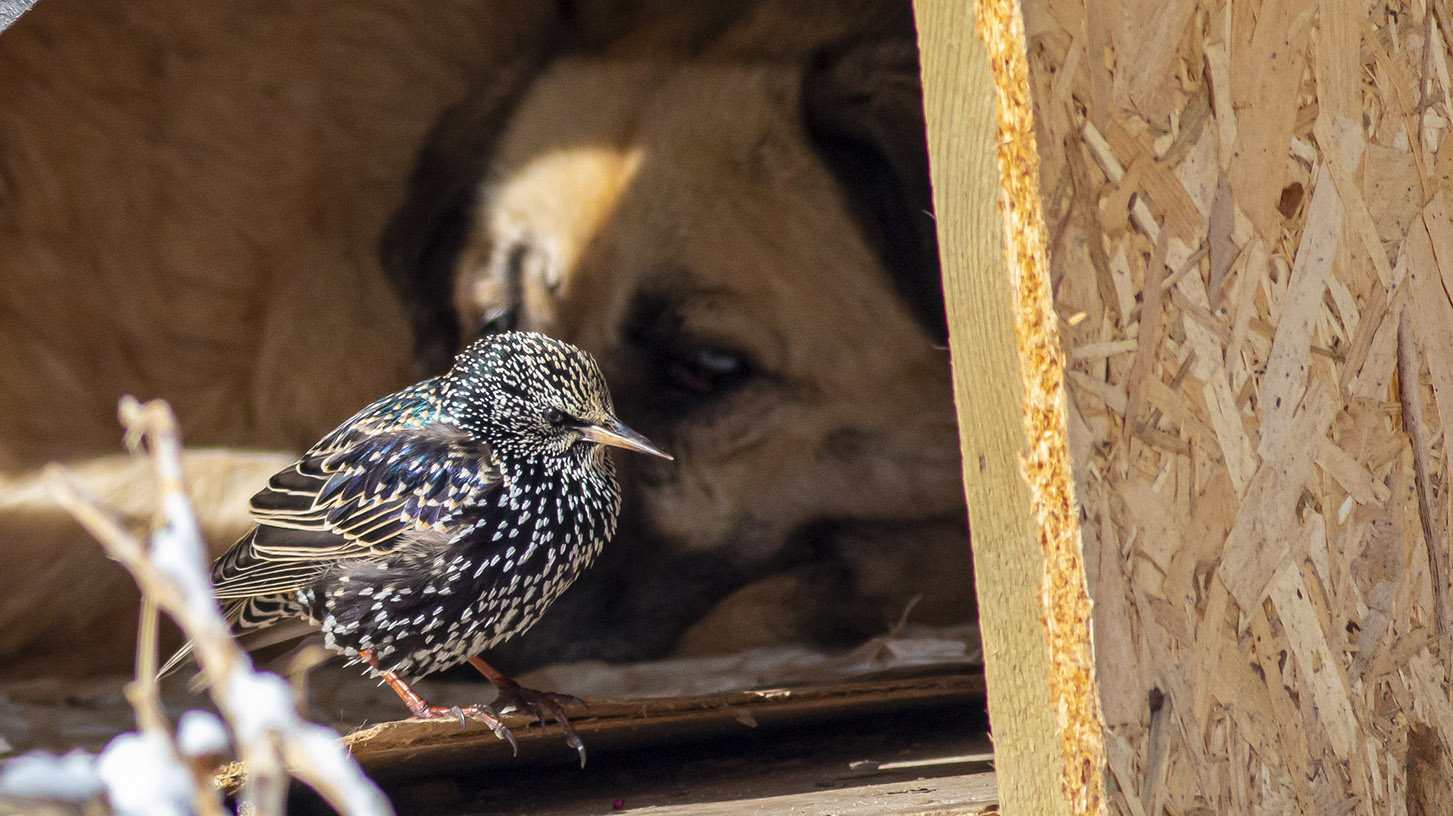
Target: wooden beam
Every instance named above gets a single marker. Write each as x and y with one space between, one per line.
1009 388
411 748
968 795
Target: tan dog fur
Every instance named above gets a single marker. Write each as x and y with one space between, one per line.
696 180
190 200
68 611
191 196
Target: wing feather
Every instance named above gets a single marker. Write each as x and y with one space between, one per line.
383 477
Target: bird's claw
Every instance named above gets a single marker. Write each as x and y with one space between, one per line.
573 739
487 715
528 701
483 713
513 696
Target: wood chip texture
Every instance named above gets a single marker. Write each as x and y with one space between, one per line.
1251 240
1066 604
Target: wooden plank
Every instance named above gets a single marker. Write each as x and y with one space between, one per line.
923 755
956 795
1009 388
815 770
406 748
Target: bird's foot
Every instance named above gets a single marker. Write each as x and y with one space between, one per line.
539 703
482 713
421 709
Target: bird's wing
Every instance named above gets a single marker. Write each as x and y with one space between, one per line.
357 494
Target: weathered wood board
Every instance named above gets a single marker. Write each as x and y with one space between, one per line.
1009 368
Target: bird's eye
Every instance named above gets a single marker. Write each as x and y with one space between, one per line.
555 416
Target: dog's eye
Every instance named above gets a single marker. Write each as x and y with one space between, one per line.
706 369
495 321
682 368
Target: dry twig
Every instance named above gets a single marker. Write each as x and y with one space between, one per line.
272 740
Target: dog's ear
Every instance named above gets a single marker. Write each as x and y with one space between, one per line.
421 243
862 101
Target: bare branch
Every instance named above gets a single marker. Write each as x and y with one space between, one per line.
271 738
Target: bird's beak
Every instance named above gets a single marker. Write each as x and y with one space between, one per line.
613 432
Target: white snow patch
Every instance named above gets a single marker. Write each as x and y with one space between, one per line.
70 778
201 733
144 777
261 703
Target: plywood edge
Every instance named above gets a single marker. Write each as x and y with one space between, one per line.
1009 388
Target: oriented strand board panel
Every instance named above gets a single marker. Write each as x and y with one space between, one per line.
1252 253
1009 387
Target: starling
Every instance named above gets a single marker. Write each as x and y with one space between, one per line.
440 521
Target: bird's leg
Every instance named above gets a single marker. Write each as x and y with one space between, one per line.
421 709
530 701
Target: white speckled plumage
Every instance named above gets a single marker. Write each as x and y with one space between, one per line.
440 520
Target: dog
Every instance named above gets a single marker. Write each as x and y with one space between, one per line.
733 214
726 202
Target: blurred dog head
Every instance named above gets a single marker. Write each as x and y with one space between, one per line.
746 245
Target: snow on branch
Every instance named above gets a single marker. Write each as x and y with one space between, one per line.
154 771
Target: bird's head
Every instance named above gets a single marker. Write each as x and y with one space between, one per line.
529 394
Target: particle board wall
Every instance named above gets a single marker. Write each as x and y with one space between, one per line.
1252 252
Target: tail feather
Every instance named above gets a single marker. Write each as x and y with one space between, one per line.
182 655
256 622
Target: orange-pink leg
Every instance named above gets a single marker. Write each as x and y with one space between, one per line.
421 709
